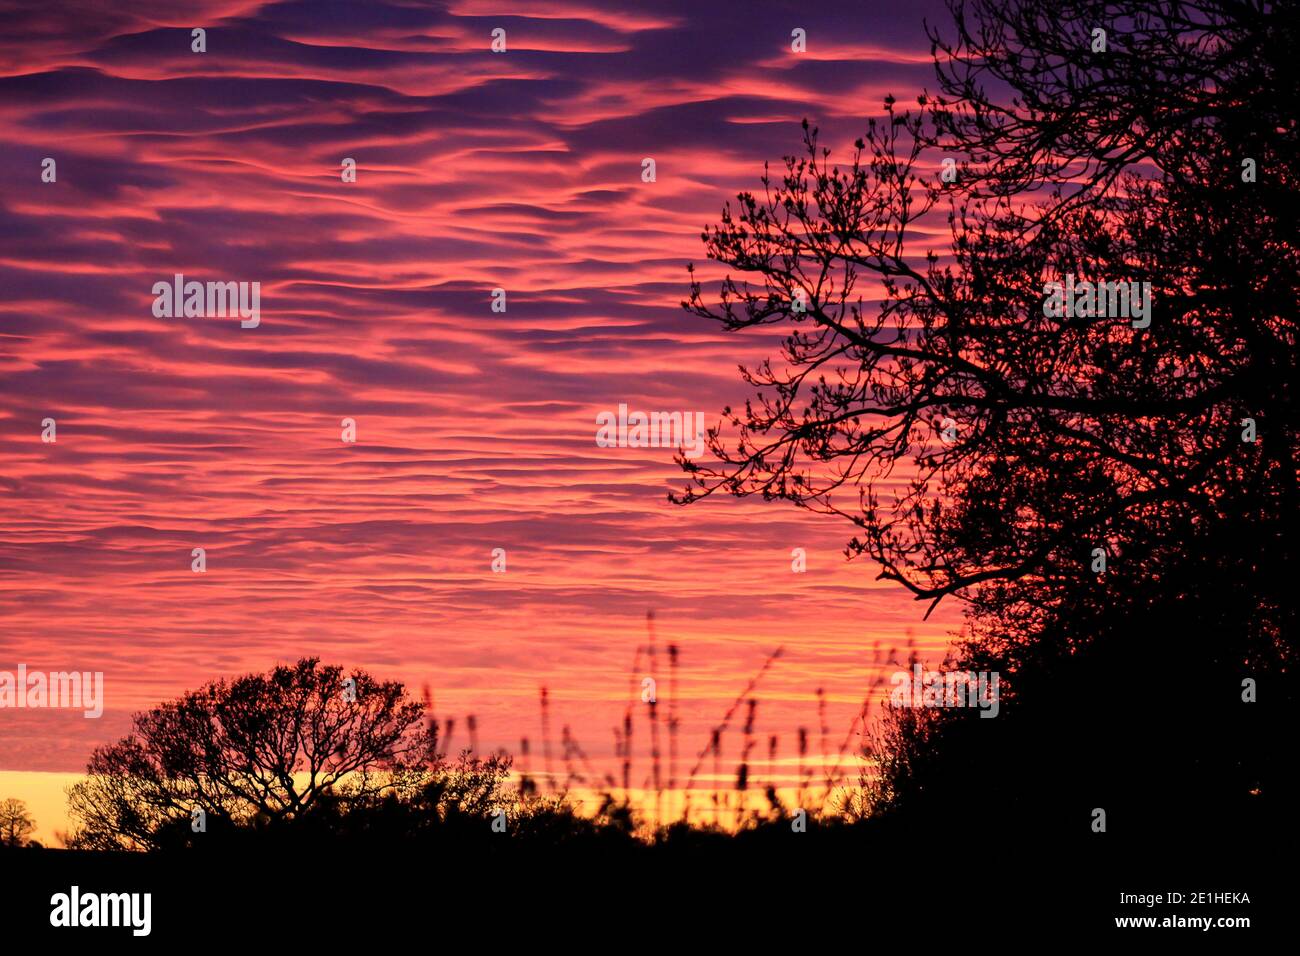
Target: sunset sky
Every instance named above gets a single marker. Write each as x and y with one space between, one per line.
475 430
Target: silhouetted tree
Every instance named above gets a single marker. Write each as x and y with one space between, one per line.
987 445
1019 441
16 824
260 748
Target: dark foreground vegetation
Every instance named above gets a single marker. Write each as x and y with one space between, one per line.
766 885
404 833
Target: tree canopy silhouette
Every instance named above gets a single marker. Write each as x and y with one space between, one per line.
1023 440
16 824
266 747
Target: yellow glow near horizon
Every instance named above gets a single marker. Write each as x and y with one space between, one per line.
45 794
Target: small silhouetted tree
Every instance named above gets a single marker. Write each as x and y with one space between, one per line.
263 748
16 824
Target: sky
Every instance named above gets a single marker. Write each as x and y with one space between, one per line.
475 429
